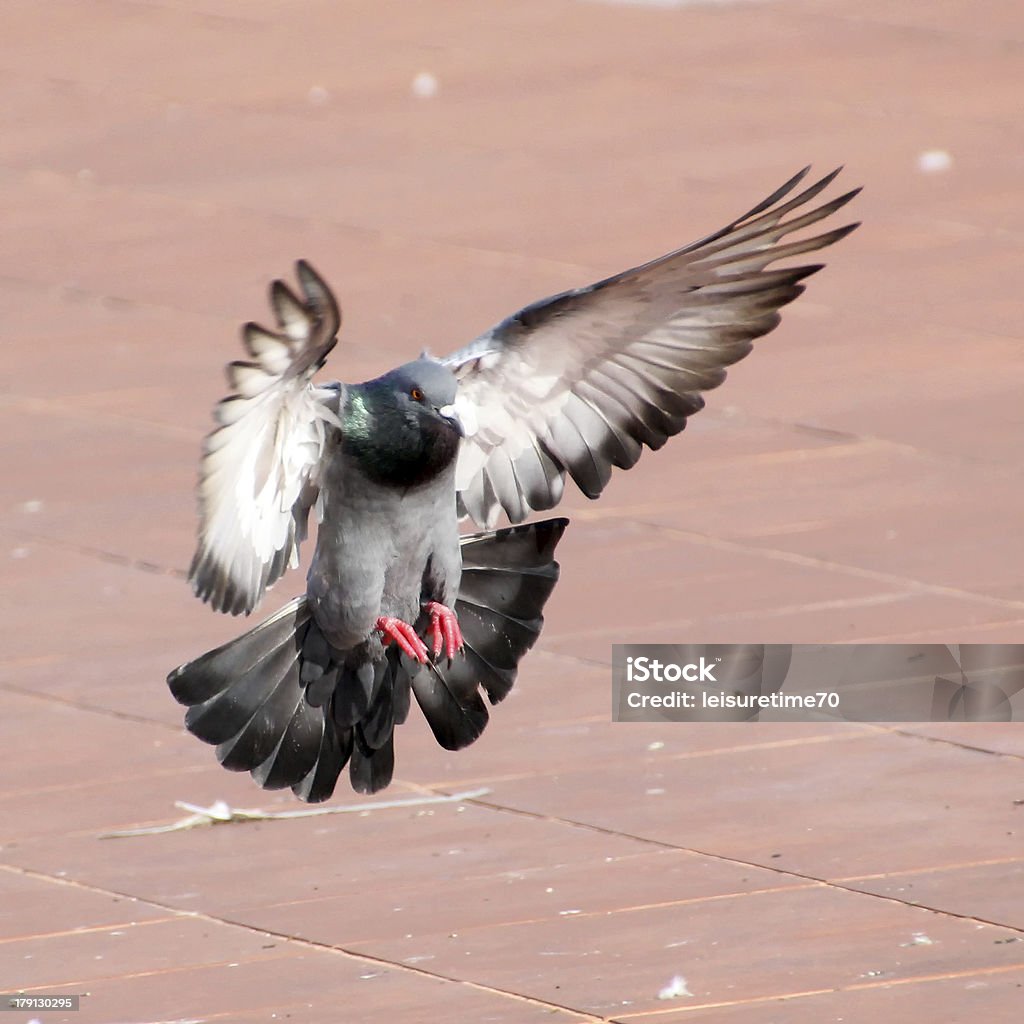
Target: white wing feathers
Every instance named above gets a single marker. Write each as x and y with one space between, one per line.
580 382
260 468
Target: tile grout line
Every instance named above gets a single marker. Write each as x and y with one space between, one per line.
924 737
957 866
863 729
52 698
83 930
687 755
863 986
941 634
365 958
740 862
808 561
101 554
51 409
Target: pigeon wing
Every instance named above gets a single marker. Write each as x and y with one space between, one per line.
259 472
580 382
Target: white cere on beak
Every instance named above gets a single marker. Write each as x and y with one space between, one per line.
463 414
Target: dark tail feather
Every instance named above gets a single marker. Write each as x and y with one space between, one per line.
276 704
334 751
379 721
371 770
507 577
248 698
296 753
373 751
451 703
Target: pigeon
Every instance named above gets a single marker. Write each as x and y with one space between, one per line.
398 603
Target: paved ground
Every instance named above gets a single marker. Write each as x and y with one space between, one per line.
858 478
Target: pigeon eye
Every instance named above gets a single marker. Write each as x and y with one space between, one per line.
416 395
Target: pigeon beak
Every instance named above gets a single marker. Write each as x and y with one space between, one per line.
451 414
462 415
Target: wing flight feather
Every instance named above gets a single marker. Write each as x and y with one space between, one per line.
579 382
259 472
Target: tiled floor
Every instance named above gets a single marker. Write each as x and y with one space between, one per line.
858 478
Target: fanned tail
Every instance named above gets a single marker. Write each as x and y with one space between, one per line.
280 703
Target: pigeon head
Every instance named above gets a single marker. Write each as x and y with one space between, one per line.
402 427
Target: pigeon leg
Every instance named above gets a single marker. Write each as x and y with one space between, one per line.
404 635
444 629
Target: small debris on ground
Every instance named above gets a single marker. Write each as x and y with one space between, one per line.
221 813
675 988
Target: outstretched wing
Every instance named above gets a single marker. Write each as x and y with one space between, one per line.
259 472
578 383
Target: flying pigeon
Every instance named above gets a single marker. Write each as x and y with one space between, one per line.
397 603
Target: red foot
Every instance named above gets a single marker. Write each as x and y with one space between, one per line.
404 635
444 630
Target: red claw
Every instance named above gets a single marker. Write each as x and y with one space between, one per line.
444 630
404 635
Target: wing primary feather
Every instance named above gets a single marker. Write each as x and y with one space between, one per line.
760 258
766 204
769 228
